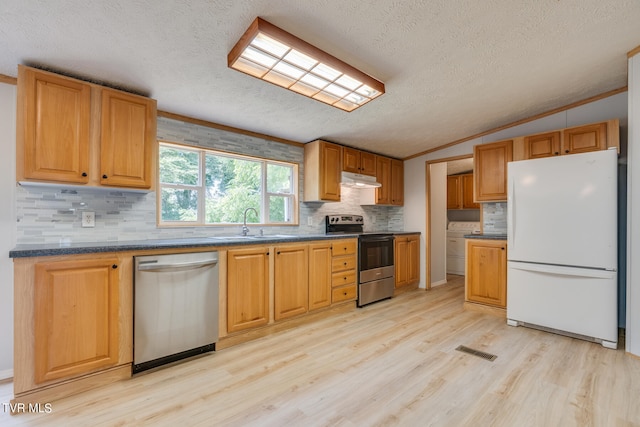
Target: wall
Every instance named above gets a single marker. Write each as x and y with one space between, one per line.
415 169
7 224
633 211
52 214
494 218
438 236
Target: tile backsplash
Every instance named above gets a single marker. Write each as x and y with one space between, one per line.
47 214
494 218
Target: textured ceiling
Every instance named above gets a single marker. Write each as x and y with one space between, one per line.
451 68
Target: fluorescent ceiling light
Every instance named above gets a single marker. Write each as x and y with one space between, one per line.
272 54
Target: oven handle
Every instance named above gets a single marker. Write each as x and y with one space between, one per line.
376 239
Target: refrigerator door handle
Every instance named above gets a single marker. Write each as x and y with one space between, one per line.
511 214
561 270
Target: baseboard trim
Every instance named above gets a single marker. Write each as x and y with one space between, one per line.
439 283
6 375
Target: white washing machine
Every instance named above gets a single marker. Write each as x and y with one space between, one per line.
456 230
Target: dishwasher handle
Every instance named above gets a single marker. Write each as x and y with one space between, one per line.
154 266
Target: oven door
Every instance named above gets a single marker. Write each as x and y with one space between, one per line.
375 251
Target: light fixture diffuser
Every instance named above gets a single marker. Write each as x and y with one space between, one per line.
274 55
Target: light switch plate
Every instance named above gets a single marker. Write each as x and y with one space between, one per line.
88 219
309 220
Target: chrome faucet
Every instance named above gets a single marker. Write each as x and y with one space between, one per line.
245 229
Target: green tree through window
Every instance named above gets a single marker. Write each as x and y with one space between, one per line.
207 187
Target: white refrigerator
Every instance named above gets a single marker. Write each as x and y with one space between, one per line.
562 245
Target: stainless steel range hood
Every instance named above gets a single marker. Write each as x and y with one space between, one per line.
356 180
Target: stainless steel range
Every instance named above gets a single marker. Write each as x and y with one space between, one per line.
376 271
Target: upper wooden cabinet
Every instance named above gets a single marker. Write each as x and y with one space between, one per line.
389 173
584 139
383 175
542 145
397 182
322 167
490 170
53 134
575 140
358 161
128 140
454 195
75 132
460 192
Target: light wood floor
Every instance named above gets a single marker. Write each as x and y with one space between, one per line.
391 363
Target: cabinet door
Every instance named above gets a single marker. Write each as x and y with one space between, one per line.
76 317
330 171
291 281
247 288
54 116
491 171
543 145
401 261
350 160
383 175
413 257
584 139
466 185
486 272
367 163
319 275
453 192
397 182
128 134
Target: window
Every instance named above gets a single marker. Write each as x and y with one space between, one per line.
202 187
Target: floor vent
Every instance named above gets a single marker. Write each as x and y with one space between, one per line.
487 356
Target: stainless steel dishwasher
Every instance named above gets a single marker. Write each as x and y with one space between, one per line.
175 307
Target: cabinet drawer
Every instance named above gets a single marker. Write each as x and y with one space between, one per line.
343 278
343 263
343 293
346 247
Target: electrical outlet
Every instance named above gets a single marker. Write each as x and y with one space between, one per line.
88 219
309 220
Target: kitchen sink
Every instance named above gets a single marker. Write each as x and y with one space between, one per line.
254 236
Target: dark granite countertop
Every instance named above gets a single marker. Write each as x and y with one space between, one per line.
486 236
27 251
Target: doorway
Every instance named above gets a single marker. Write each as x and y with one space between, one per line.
441 253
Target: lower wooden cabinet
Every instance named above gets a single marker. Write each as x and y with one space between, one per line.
291 294
344 270
486 272
407 259
76 317
319 275
73 321
247 288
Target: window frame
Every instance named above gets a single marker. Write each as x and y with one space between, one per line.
201 188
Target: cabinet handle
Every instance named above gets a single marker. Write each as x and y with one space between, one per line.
345 263
502 249
278 252
267 253
84 174
114 266
566 151
345 294
104 176
556 153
